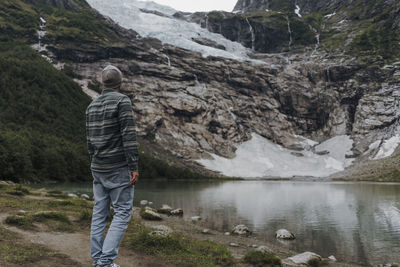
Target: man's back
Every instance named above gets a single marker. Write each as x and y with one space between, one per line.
111 132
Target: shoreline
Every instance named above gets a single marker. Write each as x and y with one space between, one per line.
60 202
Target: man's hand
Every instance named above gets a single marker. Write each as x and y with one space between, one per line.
134 177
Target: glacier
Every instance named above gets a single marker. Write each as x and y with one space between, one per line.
261 158
169 30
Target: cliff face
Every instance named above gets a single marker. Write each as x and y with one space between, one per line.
192 106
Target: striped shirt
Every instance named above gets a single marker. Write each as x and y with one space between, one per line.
111 134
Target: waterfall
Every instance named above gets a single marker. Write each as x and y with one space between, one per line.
317 35
328 77
41 33
169 61
253 36
196 79
206 21
290 32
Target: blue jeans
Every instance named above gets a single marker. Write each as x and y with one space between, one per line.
110 187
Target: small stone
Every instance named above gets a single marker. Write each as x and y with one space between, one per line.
297 154
332 258
150 203
227 233
233 244
150 208
3 183
322 152
241 229
195 218
254 246
177 212
165 209
162 228
206 231
159 233
85 196
21 212
144 202
149 214
284 234
304 258
263 249
72 195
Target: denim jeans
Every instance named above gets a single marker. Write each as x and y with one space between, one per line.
110 187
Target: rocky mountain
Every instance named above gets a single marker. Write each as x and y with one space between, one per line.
306 75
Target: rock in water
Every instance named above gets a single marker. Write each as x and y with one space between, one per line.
332 258
284 234
195 218
165 209
143 202
206 231
177 212
241 229
303 258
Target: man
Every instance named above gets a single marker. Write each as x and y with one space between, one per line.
113 150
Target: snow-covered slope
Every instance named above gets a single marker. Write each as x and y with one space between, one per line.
260 157
169 30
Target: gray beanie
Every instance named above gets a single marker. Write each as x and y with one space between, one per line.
111 77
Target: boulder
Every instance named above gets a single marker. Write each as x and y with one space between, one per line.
241 229
284 234
303 258
165 209
177 212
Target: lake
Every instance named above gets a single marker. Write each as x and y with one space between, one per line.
355 222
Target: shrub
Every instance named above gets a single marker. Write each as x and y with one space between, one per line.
258 258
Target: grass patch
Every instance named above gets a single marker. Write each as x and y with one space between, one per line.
56 193
18 190
317 263
258 258
85 216
177 249
56 221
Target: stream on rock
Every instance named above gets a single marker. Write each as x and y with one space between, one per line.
355 222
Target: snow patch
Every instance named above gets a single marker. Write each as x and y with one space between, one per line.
260 157
330 15
388 147
169 30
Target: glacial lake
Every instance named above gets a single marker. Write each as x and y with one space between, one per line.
355 222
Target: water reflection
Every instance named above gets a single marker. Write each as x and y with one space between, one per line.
355 222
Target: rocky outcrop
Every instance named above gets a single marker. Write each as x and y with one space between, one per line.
192 106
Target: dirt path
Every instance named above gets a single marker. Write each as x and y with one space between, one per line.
77 246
